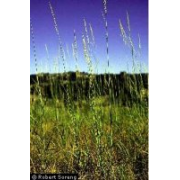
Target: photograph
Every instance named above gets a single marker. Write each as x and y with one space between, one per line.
89 89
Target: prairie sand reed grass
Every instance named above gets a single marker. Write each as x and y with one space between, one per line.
84 127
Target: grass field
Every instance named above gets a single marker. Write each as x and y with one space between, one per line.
94 137
96 126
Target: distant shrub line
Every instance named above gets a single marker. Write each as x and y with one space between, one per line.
124 87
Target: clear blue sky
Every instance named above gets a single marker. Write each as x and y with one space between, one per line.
69 15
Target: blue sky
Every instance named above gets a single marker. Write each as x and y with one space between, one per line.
69 17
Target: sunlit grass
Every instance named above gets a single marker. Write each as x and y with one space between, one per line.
97 128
